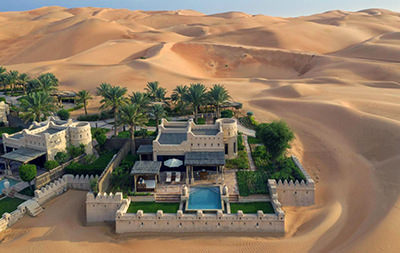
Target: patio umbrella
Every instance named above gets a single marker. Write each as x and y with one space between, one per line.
173 163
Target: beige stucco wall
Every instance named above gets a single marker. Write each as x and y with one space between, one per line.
295 193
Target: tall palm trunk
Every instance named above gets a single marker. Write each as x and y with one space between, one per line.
133 144
115 122
85 107
195 113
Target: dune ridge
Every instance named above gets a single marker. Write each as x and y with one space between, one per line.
334 77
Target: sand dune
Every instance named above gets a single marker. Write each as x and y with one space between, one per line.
334 77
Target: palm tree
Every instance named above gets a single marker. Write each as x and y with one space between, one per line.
36 105
113 98
155 92
218 95
47 82
141 99
3 74
23 80
103 89
83 99
196 96
178 96
131 115
12 77
158 112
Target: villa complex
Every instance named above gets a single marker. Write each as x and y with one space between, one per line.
184 147
46 139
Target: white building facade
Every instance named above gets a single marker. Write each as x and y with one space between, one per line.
51 136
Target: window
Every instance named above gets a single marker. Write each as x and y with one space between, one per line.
226 149
234 147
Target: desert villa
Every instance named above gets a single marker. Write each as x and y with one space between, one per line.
46 139
190 150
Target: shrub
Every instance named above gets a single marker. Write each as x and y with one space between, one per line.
106 115
251 182
240 162
94 168
151 122
94 185
74 151
63 114
61 157
240 142
124 134
51 164
99 134
226 114
276 137
201 121
2 99
89 117
250 114
27 172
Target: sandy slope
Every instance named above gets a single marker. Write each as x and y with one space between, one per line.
334 77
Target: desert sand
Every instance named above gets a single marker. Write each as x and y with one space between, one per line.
334 77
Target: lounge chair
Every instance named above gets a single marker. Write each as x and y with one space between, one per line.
169 177
177 177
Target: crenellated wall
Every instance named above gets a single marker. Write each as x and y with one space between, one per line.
199 222
103 207
109 207
295 193
61 185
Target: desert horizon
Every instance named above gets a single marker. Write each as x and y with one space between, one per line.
334 77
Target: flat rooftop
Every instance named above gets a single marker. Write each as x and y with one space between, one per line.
51 131
172 138
205 131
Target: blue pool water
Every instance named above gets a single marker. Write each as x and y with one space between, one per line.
204 198
12 182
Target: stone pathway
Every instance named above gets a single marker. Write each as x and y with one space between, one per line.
251 161
245 130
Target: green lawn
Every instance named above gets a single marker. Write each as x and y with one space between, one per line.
252 207
152 207
8 205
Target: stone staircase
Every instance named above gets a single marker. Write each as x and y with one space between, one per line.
233 197
168 197
33 208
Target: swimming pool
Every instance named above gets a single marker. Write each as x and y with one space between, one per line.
12 182
204 198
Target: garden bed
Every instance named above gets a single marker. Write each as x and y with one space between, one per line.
252 207
94 168
153 207
252 182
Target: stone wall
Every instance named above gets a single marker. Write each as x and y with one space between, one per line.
61 185
103 207
46 193
9 219
55 173
199 222
295 193
104 180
